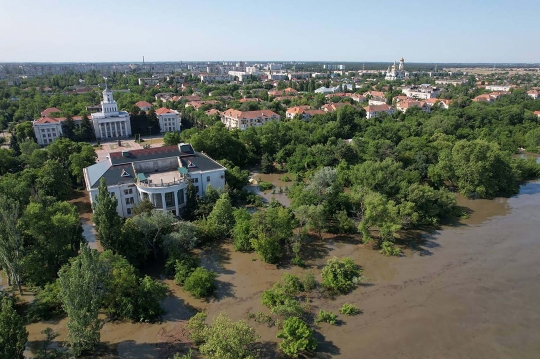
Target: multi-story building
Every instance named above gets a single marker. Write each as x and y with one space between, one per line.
111 123
305 112
169 120
499 87
374 110
405 105
160 174
243 119
422 92
47 129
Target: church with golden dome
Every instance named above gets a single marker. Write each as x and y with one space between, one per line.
395 72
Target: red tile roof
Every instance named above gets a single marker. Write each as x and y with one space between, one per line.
45 120
249 114
212 112
378 108
49 110
141 104
296 110
334 106
163 110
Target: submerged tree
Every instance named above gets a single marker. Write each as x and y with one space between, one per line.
82 288
11 242
13 334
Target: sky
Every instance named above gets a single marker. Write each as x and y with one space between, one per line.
487 31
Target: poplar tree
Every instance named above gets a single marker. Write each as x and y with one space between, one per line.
107 220
13 334
82 288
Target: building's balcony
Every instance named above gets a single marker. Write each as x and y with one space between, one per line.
160 179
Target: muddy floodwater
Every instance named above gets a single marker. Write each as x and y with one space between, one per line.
471 290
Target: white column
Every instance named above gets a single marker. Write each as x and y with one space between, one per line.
176 203
100 131
106 133
121 132
163 201
116 129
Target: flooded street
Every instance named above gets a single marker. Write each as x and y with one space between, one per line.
471 291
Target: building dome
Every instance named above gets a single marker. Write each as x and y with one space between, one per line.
402 60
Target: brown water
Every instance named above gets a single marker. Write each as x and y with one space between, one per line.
275 179
471 291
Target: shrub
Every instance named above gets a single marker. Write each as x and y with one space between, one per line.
224 339
242 230
292 285
288 308
349 309
200 283
339 275
184 267
46 304
297 337
255 200
196 327
265 186
286 178
147 307
308 281
327 317
389 249
267 247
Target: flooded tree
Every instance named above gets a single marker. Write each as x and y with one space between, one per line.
82 288
13 334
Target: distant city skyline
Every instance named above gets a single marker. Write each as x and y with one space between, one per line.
500 31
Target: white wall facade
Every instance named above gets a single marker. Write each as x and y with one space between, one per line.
169 122
46 133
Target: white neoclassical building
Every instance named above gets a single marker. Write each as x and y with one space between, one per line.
110 123
169 120
160 174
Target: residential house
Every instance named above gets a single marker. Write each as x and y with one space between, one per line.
499 87
376 97
304 112
290 91
490 97
212 112
143 105
438 102
331 107
374 110
159 174
243 119
164 96
249 99
534 94
327 90
50 110
403 106
198 104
